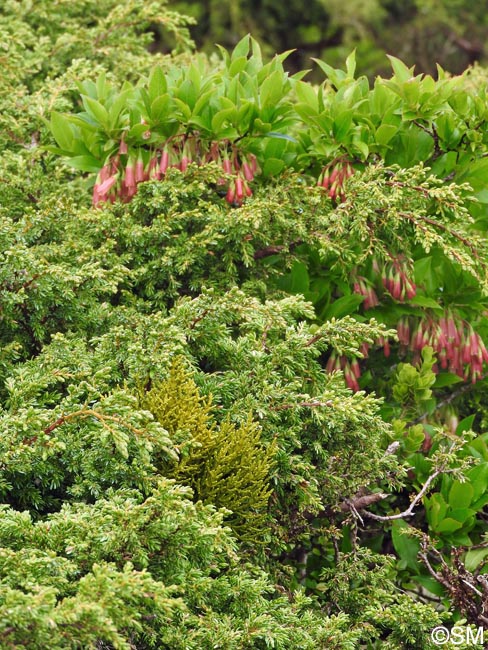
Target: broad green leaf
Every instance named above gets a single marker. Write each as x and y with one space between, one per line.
271 91
424 301
430 584
116 108
187 93
61 130
96 110
448 525
183 107
384 133
237 65
478 478
222 117
446 379
157 83
407 547
351 64
342 125
465 425
343 306
307 95
272 166
402 73
474 558
203 101
85 163
300 280
436 509
241 49
475 174
102 87
335 76
460 494
160 109
464 515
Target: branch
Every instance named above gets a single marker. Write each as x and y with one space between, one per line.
439 224
409 511
198 318
83 414
266 252
282 407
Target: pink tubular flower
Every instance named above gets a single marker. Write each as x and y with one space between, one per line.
227 166
239 189
164 164
139 171
184 163
230 196
247 171
105 187
130 179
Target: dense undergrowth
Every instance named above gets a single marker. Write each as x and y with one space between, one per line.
231 418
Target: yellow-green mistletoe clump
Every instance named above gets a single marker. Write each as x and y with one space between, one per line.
226 465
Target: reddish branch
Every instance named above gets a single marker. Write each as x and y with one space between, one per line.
86 413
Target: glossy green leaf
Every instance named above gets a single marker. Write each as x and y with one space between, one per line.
95 109
157 85
401 71
474 558
407 547
343 306
61 130
448 525
85 163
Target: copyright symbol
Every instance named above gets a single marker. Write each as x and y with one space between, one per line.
440 635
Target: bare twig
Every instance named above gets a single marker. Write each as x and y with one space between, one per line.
409 511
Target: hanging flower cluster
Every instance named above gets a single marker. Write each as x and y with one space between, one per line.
120 176
396 278
364 287
332 178
458 347
350 368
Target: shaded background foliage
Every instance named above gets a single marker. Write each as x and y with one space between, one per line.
421 32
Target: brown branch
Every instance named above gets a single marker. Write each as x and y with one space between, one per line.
269 250
83 414
441 226
198 318
313 340
418 188
361 502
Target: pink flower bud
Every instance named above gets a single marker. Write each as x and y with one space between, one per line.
230 196
139 172
239 189
246 169
184 164
130 179
164 164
